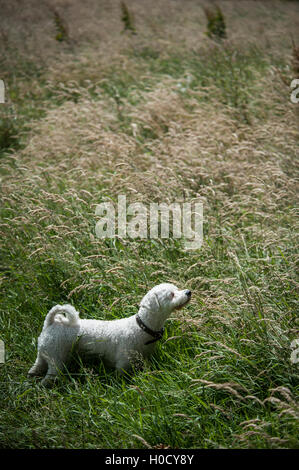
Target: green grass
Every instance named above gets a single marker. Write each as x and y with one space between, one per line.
209 123
168 402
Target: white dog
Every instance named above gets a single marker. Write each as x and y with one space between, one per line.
115 342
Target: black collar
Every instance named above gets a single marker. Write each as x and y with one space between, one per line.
156 334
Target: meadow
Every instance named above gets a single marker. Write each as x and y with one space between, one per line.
143 99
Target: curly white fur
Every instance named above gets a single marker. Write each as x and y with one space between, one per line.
115 342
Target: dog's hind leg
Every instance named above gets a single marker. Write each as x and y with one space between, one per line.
39 367
56 364
53 371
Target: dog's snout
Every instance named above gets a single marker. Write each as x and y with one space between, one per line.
188 293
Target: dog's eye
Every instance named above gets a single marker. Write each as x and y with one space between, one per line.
171 295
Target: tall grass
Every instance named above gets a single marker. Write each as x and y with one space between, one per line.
158 123
215 23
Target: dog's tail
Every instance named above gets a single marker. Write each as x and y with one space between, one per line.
71 317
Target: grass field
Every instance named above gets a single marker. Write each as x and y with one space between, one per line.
149 106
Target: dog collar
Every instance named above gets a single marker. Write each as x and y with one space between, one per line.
156 334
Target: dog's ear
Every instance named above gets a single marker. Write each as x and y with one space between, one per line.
151 302
158 306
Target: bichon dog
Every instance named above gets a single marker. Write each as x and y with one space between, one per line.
115 341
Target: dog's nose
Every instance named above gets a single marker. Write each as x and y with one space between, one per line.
188 293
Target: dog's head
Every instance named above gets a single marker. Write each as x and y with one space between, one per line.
164 298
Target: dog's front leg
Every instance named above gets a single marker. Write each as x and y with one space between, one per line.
122 365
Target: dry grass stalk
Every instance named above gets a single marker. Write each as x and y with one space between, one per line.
295 59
